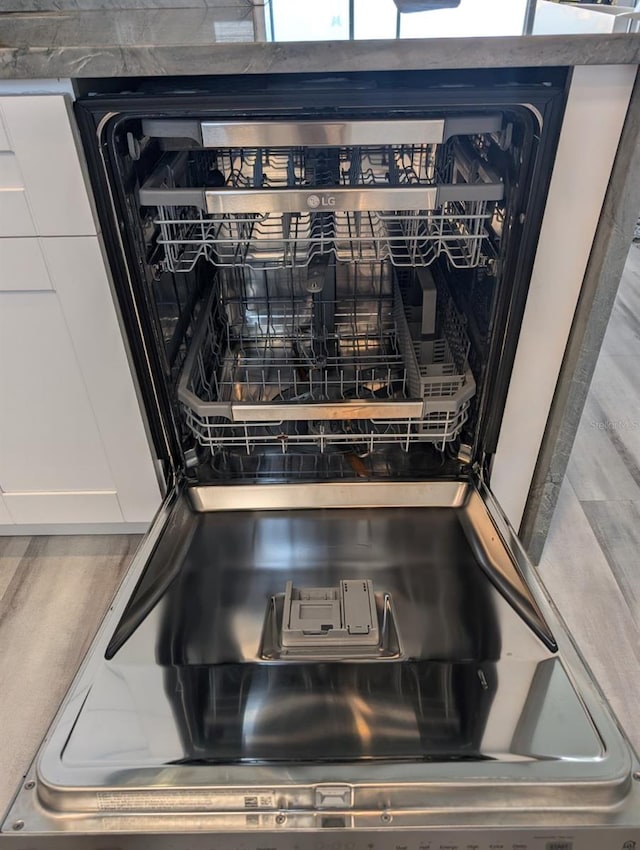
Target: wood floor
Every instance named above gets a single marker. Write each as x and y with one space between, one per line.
591 562
55 590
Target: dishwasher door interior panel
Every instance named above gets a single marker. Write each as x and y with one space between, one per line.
177 711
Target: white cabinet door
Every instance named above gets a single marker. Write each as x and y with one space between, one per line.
43 186
22 265
79 276
49 439
16 218
51 509
73 444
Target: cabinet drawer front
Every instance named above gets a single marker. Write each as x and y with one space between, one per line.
22 266
42 138
80 279
15 215
46 508
49 437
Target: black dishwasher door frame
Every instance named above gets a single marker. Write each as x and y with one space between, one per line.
537 94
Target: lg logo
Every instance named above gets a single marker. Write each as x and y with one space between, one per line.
315 201
629 845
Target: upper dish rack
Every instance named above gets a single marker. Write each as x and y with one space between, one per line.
284 207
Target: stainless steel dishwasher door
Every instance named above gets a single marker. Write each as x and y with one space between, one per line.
176 723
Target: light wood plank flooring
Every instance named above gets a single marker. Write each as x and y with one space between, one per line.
55 590
591 561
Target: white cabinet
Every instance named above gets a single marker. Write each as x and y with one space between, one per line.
49 439
43 187
22 266
78 271
15 215
594 117
73 445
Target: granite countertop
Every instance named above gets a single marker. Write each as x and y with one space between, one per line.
187 37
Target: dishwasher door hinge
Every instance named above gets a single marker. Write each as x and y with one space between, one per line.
479 468
191 459
465 454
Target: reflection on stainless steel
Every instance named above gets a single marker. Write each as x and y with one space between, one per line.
340 199
252 134
319 133
214 611
507 711
328 712
480 532
491 555
348 494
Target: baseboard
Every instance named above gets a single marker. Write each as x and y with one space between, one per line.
75 528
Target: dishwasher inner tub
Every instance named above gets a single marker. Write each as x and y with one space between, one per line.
185 679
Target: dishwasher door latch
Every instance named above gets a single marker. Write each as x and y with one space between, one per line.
334 797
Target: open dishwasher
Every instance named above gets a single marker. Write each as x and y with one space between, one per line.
331 636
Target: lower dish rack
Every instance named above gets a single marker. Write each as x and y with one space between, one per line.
276 362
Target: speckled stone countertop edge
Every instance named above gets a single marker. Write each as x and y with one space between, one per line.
75 61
